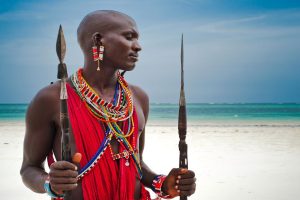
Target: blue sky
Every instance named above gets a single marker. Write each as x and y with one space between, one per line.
235 51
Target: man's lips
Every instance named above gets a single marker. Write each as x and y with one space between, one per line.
133 56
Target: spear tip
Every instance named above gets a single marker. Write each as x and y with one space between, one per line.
61 45
182 62
182 95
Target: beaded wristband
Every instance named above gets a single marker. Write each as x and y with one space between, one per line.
50 192
157 185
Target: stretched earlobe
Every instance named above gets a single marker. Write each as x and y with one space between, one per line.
97 49
96 38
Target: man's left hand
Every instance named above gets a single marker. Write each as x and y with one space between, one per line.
179 182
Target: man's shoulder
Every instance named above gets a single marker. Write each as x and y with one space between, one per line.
44 106
141 98
47 95
139 93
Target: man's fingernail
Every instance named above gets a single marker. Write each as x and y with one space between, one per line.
184 170
178 191
75 168
177 181
176 187
178 177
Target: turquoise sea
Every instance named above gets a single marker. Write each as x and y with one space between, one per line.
196 112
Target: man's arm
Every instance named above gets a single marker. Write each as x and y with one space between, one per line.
41 130
39 137
148 174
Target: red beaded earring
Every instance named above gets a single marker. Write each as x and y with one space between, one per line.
95 53
98 50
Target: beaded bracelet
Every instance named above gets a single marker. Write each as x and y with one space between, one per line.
157 186
50 192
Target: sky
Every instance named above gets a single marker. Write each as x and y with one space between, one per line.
235 51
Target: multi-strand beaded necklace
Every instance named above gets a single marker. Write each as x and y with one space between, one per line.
109 113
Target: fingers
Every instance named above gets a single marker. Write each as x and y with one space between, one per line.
185 173
63 176
60 180
63 173
186 187
63 165
59 188
185 182
186 190
63 180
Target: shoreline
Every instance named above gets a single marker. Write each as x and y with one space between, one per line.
228 123
194 123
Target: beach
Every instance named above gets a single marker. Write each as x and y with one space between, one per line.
240 160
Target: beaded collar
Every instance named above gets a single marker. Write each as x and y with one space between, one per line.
101 109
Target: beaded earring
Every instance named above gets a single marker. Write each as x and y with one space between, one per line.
101 51
98 50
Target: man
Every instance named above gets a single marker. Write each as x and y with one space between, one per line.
108 118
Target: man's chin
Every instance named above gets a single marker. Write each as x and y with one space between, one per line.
129 67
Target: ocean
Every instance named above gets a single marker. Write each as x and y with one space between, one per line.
196 112
13 111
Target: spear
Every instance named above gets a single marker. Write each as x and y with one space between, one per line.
183 160
62 74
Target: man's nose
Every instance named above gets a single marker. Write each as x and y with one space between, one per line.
136 46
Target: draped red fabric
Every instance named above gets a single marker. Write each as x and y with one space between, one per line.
109 179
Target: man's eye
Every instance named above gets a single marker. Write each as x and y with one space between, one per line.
128 36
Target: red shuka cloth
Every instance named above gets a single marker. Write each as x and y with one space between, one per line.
108 180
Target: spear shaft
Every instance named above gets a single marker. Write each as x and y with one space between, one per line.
182 125
62 74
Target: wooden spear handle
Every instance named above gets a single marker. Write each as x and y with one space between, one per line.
62 74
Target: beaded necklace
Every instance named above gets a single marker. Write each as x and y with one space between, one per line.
101 109
120 109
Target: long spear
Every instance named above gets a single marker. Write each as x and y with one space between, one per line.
62 74
183 160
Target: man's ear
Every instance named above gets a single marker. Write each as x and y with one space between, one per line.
97 38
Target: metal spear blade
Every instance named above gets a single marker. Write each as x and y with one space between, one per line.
182 103
182 95
181 57
182 125
61 45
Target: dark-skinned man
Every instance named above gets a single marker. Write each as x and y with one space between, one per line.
108 118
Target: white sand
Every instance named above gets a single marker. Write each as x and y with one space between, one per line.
234 162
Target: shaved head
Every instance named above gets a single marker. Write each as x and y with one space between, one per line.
101 21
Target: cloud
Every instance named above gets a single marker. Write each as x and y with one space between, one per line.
222 26
267 25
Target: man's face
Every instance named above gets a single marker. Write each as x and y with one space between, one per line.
121 45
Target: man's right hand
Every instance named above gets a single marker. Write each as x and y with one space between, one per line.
62 176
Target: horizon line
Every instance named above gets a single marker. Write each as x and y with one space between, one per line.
170 103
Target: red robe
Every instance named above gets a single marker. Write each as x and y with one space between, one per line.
108 180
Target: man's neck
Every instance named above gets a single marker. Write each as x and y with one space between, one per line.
103 81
